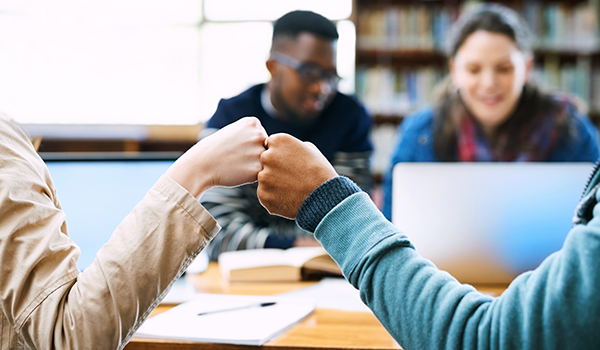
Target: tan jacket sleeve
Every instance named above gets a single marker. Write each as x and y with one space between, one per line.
47 303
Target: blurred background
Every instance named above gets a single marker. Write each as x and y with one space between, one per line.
143 75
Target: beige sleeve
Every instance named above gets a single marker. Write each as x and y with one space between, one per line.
46 301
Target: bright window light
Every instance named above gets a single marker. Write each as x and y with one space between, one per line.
141 61
106 12
232 58
269 10
113 62
99 75
346 55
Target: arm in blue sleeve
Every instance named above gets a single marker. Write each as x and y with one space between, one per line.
555 306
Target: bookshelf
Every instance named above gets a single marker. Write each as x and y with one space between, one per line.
400 60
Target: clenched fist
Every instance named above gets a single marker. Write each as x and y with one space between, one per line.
292 169
229 157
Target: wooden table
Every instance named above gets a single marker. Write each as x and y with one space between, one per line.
323 329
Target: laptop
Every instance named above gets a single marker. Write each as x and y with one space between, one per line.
486 223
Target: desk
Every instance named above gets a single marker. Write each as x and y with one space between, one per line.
324 328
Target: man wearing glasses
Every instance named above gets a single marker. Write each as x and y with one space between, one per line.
301 99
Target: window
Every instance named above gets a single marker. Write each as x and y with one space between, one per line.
142 61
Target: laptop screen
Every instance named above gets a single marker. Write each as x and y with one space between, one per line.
487 222
97 192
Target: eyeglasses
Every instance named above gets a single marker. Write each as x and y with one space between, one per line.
309 73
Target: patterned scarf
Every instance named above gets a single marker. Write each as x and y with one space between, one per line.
535 145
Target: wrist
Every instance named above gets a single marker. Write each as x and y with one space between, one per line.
196 183
324 198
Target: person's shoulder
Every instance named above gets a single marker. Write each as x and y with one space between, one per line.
586 133
574 111
417 128
347 100
348 104
419 121
251 95
569 104
580 141
415 141
231 109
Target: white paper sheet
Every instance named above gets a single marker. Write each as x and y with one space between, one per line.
331 293
246 326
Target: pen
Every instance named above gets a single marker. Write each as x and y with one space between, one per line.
238 308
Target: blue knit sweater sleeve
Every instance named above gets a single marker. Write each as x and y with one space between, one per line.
322 200
555 306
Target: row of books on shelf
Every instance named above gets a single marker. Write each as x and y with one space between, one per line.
418 27
563 26
577 78
555 26
389 91
385 90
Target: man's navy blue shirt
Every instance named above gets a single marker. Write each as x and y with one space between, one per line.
343 126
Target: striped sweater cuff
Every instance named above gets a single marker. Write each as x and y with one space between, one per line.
322 200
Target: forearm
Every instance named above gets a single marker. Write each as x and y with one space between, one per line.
414 301
50 304
46 302
149 250
424 308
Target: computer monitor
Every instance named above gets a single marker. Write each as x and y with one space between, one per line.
98 190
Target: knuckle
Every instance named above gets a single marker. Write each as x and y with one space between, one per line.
249 121
265 157
276 138
262 177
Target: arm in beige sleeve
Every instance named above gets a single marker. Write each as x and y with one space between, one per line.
46 301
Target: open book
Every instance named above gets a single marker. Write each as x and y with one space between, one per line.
227 319
277 265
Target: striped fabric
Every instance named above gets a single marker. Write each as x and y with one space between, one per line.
356 166
247 225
